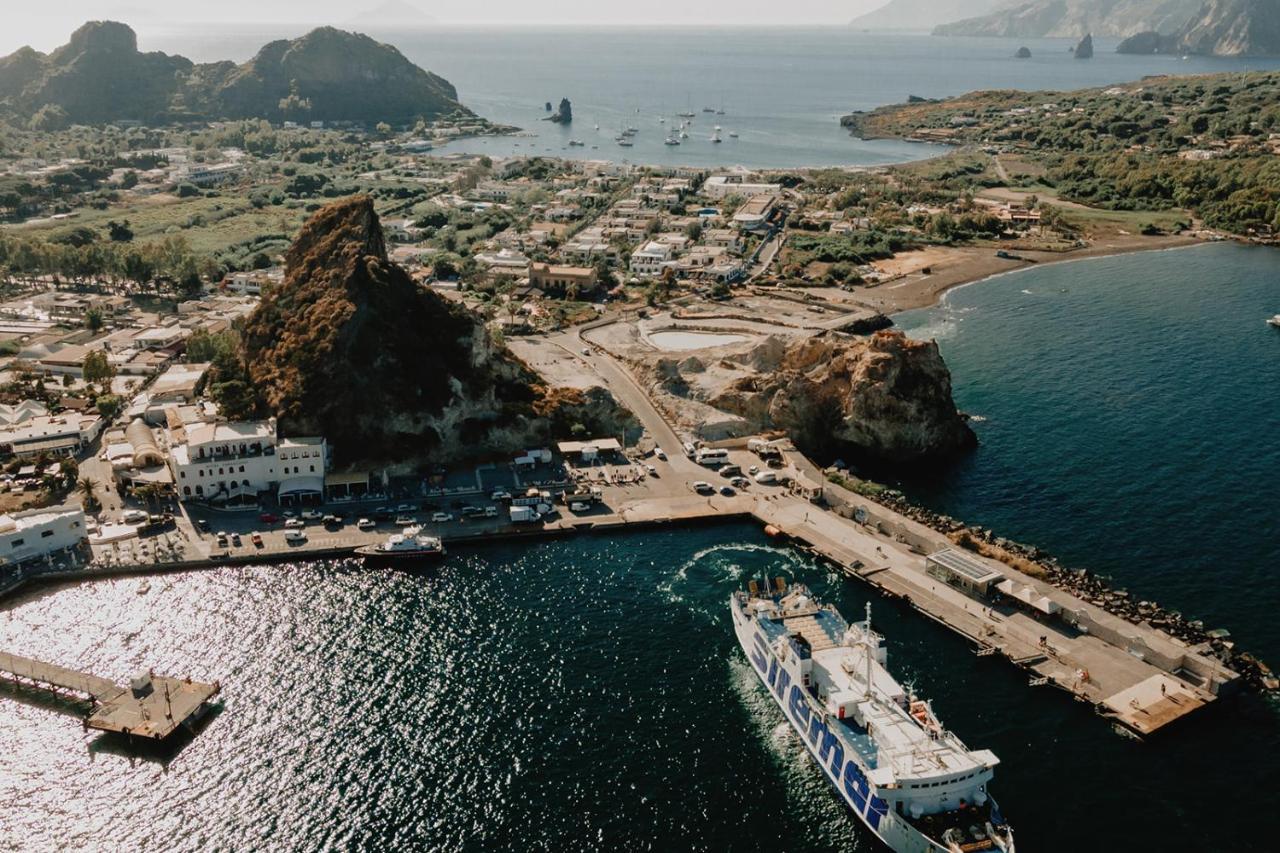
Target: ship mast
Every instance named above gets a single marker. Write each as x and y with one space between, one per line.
866 648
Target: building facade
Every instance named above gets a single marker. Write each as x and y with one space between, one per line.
237 462
39 534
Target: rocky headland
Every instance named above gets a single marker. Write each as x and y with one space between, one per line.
350 347
100 76
882 399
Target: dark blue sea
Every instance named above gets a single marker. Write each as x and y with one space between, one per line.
588 694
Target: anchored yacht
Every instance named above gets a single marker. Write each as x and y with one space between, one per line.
909 780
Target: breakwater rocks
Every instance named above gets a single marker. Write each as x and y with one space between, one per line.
1089 587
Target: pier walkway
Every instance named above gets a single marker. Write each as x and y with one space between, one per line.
151 707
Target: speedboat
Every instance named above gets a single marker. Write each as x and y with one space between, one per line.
1274 321
671 140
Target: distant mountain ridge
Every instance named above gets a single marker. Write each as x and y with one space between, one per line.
923 14
1234 28
326 75
1075 18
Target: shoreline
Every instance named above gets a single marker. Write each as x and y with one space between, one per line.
917 291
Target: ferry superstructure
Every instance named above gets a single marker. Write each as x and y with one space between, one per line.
910 781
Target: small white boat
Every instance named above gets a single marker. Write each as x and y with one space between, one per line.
671 140
409 545
733 134
1274 321
715 137
684 135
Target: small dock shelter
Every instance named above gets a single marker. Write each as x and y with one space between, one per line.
589 451
962 570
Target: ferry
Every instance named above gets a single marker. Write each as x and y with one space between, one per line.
910 781
411 544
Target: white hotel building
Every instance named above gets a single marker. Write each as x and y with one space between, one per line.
238 461
37 534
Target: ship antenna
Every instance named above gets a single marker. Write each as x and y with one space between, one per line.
866 648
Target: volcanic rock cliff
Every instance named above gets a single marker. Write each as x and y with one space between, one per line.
351 348
886 398
326 75
1070 18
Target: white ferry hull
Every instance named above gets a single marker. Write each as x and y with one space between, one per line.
838 765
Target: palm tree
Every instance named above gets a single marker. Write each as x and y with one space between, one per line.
86 490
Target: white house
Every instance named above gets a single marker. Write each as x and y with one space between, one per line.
649 258
64 434
227 461
39 533
723 186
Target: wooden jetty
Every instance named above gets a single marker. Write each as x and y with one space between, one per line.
152 706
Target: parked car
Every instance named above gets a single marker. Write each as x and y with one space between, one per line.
294 523
332 521
222 539
653 472
406 508
766 478
202 525
235 539
405 521
704 488
268 518
727 491
491 512
441 517
256 539
366 524
294 536
661 454
133 516
579 506
500 495
741 482
311 514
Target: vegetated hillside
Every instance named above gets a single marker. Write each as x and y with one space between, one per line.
1207 143
351 348
923 14
1074 18
327 75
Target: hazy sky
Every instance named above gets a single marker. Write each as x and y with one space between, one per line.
46 23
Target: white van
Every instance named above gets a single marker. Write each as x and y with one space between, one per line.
713 456
767 478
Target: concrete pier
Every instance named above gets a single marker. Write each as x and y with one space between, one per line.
153 707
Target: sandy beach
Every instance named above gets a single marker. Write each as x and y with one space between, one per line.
954 266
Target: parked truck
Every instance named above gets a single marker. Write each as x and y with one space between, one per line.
524 515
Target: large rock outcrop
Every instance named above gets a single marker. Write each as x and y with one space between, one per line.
351 348
327 75
882 399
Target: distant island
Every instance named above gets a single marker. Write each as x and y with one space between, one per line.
328 75
1208 27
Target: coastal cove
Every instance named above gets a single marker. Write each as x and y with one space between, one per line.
1126 414
783 91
